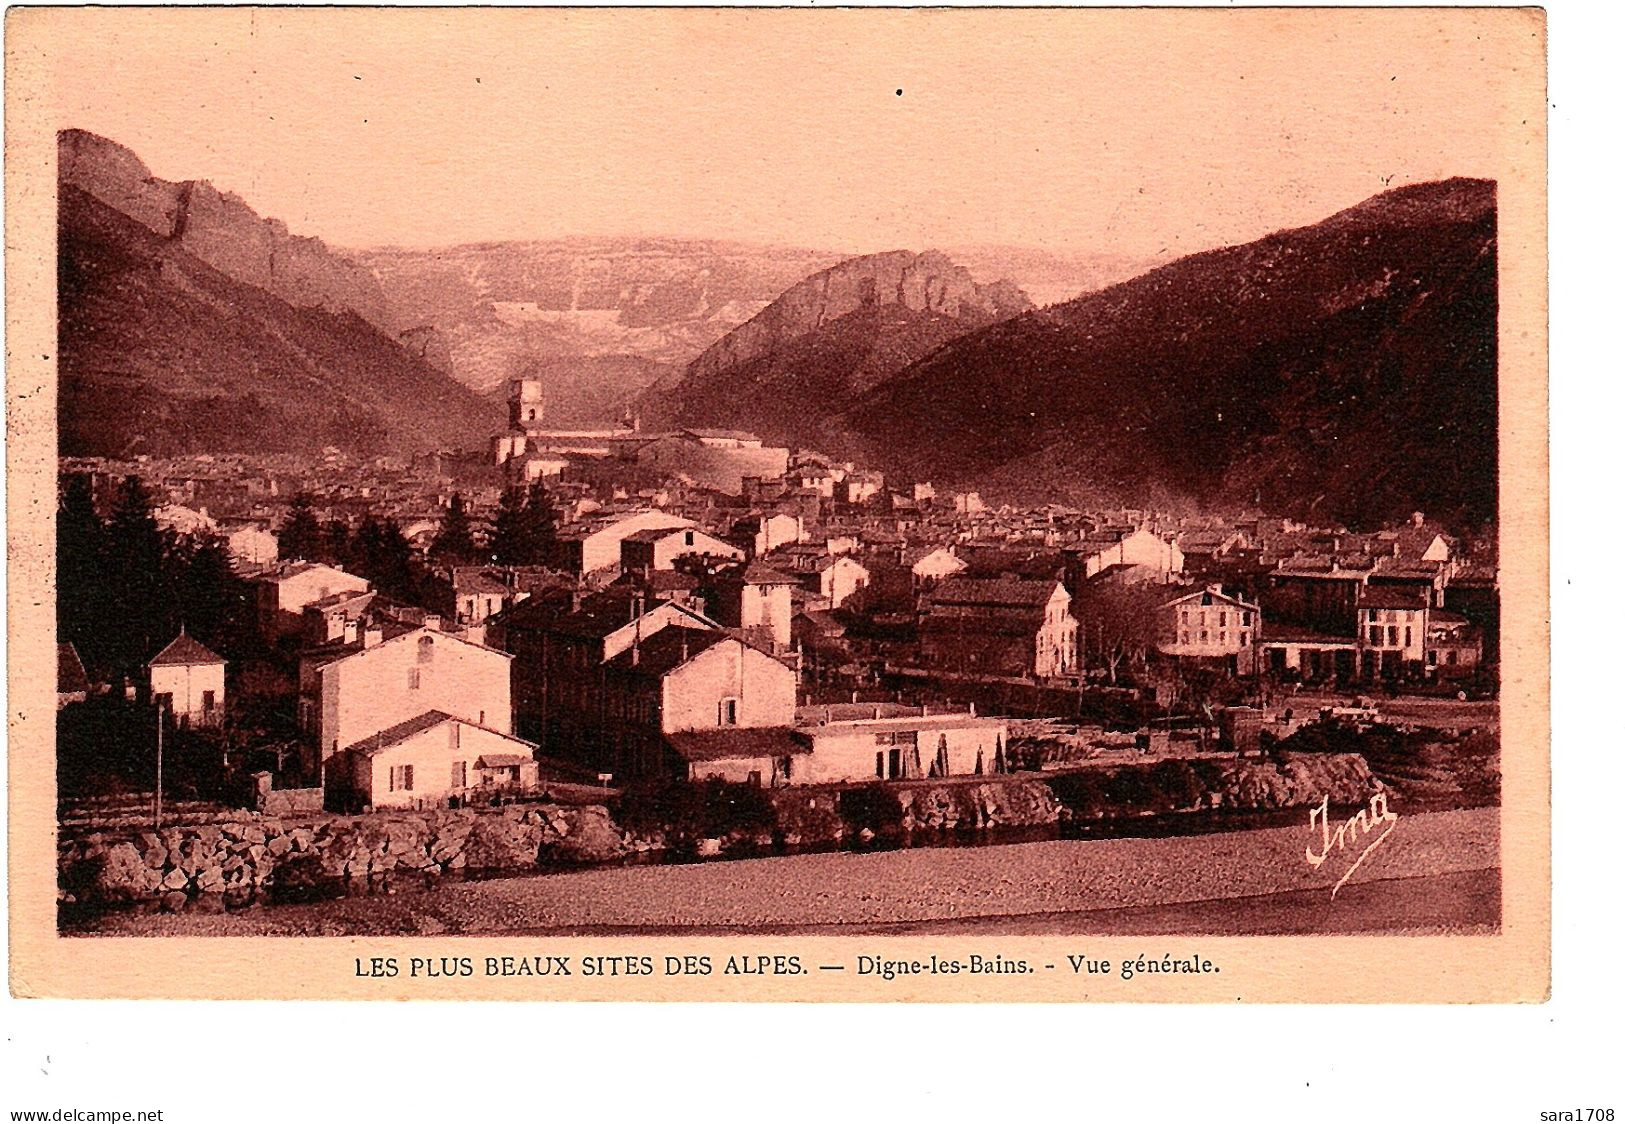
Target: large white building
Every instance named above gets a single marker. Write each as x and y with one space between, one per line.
1209 624
286 592
351 690
596 545
432 759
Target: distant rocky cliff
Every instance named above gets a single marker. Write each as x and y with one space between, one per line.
829 338
927 283
222 230
188 323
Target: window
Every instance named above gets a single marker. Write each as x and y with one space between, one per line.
1243 639
400 778
1184 638
1376 636
880 764
1184 617
1433 657
1407 636
1224 638
688 538
459 774
1204 636
1371 614
208 701
728 712
1393 636
1450 656
414 679
426 650
1221 619
1247 620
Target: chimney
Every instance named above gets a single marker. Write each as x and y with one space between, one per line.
350 631
973 710
372 637
431 621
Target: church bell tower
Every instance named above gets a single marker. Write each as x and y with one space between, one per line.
525 405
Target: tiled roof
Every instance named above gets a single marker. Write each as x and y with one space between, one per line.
1382 597
399 732
736 741
666 650
608 611
727 434
501 760
183 651
654 534
760 573
1003 592
70 671
1216 594
1274 633
475 579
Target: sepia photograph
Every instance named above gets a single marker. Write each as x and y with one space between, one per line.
872 476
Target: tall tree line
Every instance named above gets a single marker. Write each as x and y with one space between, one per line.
125 585
374 548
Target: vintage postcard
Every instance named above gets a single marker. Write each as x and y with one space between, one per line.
727 504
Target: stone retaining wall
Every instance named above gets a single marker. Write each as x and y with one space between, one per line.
245 858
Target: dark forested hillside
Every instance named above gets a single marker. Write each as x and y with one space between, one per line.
1345 370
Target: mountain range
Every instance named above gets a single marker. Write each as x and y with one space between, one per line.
602 319
1344 370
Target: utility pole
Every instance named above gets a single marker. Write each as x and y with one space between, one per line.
158 787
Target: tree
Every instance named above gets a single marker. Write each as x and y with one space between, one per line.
382 555
525 527
209 598
455 542
301 535
81 586
543 518
334 544
1117 623
137 602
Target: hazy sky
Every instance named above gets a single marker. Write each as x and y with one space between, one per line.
1143 133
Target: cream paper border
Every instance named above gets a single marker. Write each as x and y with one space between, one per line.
1513 965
